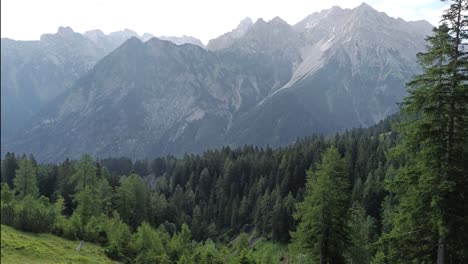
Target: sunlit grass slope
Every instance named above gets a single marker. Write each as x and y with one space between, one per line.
22 247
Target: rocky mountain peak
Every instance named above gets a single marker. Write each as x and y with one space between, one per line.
183 40
365 6
278 21
147 36
124 34
245 24
260 21
156 42
64 31
274 26
94 33
267 83
227 40
336 8
132 42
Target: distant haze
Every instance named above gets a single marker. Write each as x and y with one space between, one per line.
204 19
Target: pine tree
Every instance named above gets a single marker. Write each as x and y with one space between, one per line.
358 191
430 188
25 181
322 232
9 166
85 174
146 242
65 186
197 224
87 206
133 200
102 196
360 228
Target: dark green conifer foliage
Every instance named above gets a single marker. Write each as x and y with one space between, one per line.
9 166
322 233
430 225
85 174
25 181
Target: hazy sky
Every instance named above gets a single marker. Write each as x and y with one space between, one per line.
204 19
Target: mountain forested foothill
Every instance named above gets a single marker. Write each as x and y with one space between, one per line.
218 194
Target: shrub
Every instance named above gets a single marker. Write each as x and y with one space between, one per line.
94 230
147 245
7 205
118 236
72 227
34 215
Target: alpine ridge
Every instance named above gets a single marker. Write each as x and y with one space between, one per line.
35 72
263 83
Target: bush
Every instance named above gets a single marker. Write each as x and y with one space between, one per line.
8 214
59 221
118 236
7 205
34 215
94 230
244 257
147 245
72 227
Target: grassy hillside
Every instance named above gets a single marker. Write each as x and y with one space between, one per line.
22 247
270 252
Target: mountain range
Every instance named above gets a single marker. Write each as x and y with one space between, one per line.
35 72
265 82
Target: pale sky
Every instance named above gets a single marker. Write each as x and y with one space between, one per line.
204 19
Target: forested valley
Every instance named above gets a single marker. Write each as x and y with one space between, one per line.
210 197
391 193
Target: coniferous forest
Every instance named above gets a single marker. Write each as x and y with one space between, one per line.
391 193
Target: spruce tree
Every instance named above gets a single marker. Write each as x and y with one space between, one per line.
322 233
25 181
430 188
9 166
85 174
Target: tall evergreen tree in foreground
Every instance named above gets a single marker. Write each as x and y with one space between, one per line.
430 224
322 234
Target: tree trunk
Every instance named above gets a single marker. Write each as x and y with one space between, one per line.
322 259
441 250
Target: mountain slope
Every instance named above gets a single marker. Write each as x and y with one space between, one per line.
183 40
271 83
151 98
34 72
353 70
228 39
22 247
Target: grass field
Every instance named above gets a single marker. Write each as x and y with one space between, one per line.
22 247
270 252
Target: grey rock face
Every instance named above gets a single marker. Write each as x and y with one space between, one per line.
263 83
151 98
352 72
227 40
115 39
183 40
35 72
